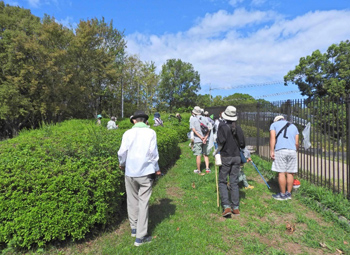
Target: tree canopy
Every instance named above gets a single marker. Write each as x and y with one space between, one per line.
179 83
50 73
320 74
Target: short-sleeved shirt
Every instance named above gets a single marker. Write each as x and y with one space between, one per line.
195 123
287 141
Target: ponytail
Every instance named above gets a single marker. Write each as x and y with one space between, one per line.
233 128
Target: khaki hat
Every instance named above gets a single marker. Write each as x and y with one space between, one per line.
197 110
279 117
230 113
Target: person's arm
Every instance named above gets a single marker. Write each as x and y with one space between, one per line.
297 141
240 136
197 134
153 153
220 139
123 152
272 143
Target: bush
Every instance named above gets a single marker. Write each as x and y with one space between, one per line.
60 181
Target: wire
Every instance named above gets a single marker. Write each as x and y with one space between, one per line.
281 93
250 85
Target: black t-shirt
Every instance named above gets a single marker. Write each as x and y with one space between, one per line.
226 140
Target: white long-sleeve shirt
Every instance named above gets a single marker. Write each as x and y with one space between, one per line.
138 151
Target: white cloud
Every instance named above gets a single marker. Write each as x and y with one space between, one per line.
258 2
12 3
245 47
34 3
235 2
68 22
222 21
37 3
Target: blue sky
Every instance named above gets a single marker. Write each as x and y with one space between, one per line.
231 43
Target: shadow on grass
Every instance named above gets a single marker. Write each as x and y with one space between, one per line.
159 212
274 188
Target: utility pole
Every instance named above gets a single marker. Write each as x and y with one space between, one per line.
210 89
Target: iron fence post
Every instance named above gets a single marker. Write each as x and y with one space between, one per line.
348 145
257 128
289 110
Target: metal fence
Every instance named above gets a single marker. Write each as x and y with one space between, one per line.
325 163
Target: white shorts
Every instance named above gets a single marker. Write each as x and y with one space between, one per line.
286 161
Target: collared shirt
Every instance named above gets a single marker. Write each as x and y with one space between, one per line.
138 151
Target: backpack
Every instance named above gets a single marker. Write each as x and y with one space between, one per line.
204 128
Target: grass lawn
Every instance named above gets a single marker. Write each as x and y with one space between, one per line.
184 219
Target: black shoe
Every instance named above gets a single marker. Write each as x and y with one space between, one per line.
141 241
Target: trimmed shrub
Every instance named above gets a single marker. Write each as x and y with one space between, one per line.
60 181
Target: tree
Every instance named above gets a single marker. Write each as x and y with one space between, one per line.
179 83
50 73
19 30
320 74
203 101
92 55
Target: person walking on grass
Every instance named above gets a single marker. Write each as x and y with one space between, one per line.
230 139
138 156
284 143
201 130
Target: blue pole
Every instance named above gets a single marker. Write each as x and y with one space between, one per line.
260 174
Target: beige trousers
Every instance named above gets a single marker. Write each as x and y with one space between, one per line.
138 193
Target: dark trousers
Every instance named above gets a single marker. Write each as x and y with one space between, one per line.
230 167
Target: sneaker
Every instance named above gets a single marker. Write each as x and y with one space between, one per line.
133 232
226 212
235 211
141 241
196 171
249 187
288 195
280 196
208 171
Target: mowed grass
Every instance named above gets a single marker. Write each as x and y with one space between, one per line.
184 219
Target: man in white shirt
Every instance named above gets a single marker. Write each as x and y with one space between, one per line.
138 155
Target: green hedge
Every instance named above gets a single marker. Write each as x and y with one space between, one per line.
60 181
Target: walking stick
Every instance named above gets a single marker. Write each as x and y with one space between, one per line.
217 186
260 174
